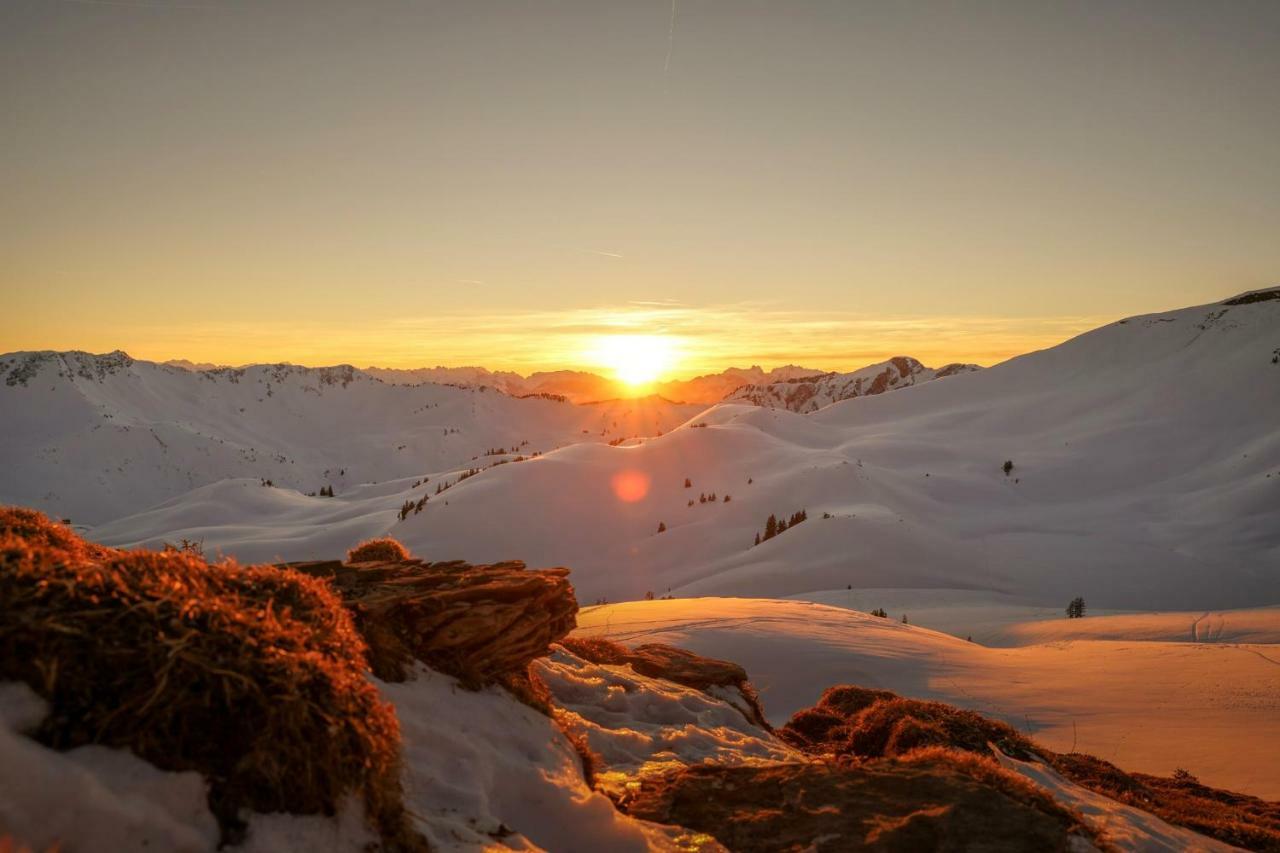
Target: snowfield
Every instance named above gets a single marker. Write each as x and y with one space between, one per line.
95 438
1145 476
1212 709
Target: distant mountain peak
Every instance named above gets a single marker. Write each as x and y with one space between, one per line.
812 392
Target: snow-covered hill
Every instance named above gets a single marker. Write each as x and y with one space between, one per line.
94 437
1152 706
1145 474
810 393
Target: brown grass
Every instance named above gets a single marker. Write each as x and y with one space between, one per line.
849 699
378 550
251 675
892 727
812 727
578 740
597 650
859 724
1233 818
988 771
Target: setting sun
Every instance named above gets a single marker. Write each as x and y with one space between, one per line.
635 359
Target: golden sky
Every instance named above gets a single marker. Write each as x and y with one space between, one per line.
825 183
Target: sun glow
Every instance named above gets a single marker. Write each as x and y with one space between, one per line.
635 360
630 486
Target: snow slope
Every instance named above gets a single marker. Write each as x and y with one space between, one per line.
1213 709
810 393
95 438
993 619
1146 475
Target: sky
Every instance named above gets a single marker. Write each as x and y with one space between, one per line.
409 183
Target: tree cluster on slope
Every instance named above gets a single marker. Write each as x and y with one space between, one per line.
775 526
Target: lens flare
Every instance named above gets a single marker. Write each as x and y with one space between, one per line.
630 486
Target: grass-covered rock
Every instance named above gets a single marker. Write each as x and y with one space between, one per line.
251 675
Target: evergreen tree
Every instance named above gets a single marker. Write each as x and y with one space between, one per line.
757 538
1075 610
1007 466
662 528
771 527
688 483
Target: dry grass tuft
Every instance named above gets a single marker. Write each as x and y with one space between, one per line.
988 771
856 724
892 727
597 650
528 688
378 550
1233 818
848 699
38 531
251 675
578 740
811 727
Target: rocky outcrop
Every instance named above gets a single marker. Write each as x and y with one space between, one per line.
476 623
810 393
720 679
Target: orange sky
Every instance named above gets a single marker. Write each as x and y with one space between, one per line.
830 184
699 340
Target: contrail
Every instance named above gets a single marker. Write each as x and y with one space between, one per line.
131 4
671 38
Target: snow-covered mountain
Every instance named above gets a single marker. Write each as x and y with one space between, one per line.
715 387
1144 473
95 437
812 392
584 387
